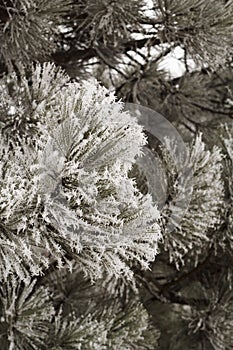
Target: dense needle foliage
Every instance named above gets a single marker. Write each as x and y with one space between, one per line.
88 259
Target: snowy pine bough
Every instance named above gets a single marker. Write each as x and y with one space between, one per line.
69 199
203 184
66 196
69 203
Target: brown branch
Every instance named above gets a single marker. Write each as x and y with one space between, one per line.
150 21
74 54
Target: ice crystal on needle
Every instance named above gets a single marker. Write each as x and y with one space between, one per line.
68 195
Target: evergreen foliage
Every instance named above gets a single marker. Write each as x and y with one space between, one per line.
82 146
193 235
93 253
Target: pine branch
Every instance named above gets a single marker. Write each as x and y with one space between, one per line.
72 55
